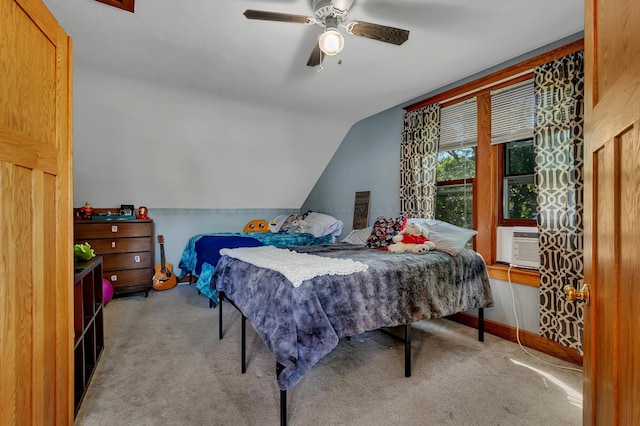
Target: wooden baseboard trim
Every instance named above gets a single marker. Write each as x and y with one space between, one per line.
527 339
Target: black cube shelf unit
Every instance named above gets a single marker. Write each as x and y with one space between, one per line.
88 324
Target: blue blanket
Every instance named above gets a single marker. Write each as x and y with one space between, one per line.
208 248
301 325
202 252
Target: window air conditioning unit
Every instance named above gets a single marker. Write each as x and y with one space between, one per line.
524 250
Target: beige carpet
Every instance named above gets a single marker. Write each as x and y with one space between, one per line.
164 365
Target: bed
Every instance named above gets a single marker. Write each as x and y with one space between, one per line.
202 251
300 325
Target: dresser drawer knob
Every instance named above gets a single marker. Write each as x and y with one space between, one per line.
113 244
114 228
136 259
114 277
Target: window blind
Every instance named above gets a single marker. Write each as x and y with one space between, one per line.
512 113
459 125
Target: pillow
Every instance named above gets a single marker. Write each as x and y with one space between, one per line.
287 225
322 224
358 237
447 237
383 231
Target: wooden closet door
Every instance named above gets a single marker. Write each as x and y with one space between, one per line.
36 236
612 212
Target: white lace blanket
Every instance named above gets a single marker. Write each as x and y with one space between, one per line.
296 267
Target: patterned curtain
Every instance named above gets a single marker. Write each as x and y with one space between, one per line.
419 158
558 140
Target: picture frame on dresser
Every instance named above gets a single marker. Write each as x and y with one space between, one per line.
127 249
126 209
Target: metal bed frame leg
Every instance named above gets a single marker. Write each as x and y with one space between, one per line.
243 358
283 398
407 350
481 324
244 344
407 346
221 296
283 408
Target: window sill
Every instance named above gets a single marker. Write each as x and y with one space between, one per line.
500 271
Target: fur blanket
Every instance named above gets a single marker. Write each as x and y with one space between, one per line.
301 325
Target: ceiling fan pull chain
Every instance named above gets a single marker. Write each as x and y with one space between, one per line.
320 55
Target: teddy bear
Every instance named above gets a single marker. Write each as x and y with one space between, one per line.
412 239
300 225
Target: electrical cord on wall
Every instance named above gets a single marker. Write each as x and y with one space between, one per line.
513 300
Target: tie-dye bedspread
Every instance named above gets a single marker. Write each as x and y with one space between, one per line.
301 325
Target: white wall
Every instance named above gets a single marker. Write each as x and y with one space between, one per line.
166 147
527 305
367 160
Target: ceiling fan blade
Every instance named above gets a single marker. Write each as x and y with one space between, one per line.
316 56
342 5
275 16
378 32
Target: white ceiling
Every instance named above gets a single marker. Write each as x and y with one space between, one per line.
211 67
209 45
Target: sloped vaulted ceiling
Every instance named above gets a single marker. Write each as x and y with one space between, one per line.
209 48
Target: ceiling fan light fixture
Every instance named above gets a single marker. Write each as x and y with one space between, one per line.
331 42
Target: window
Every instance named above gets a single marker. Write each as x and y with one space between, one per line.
486 200
518 185
454 186
512 121
456 170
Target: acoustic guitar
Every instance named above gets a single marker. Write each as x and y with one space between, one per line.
163 279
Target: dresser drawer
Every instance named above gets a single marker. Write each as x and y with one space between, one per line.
136 260
119 245
129 278
112 229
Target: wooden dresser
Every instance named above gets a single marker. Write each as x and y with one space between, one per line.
126 247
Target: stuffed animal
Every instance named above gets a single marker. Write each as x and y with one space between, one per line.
83 251
299 225
257 225
412 239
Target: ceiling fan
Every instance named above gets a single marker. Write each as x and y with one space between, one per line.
330 15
